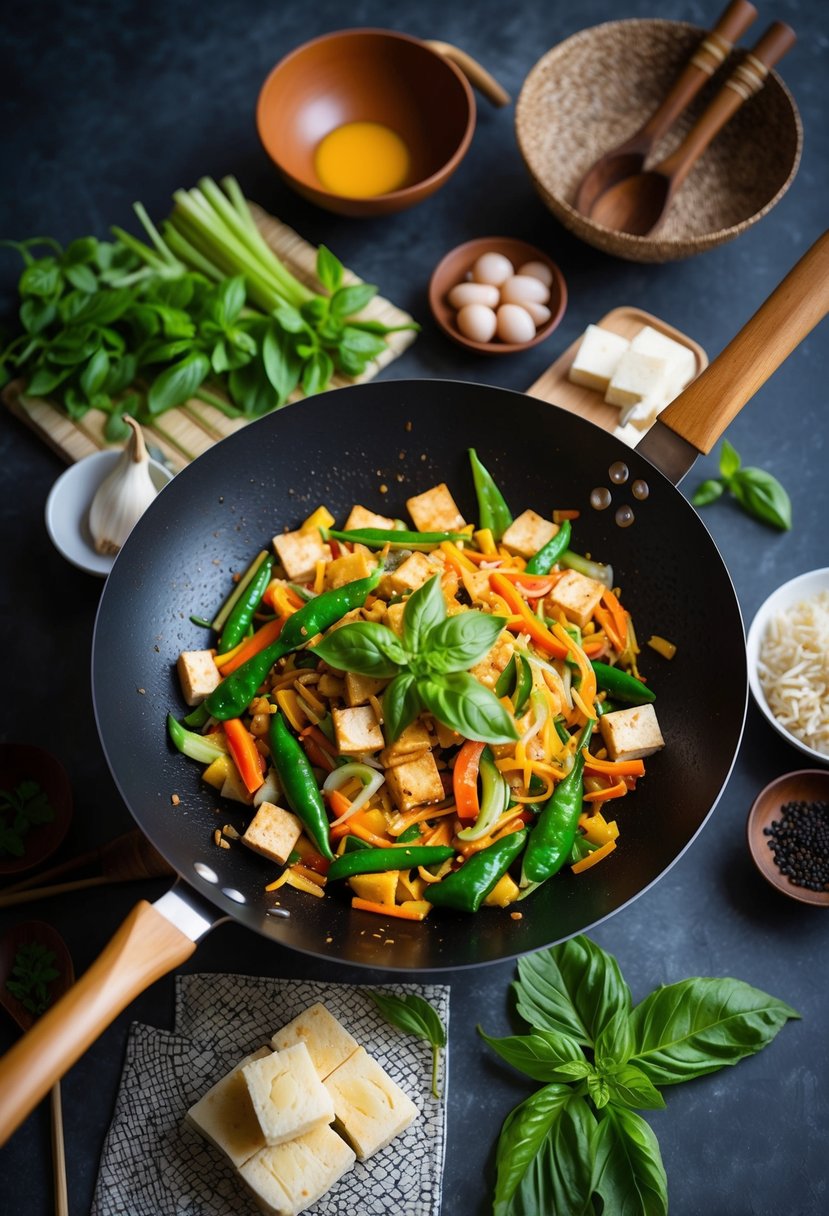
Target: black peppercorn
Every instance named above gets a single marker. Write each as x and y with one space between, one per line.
799 840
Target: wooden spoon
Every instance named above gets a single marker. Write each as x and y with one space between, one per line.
629 157
29 933
637 204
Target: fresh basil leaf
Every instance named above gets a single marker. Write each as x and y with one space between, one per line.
45 380
121 374
415 1016
83 249
231 298
539 1055
598 1089
95 373
461 703
707 492
365 648
522 1135
614 1042
463 640
573 989
251 390
163 352
729 460
762 495
628 1173
282 367
37 315
104 307
629 1086
82 277
348 300
116 430
178 383
557 1179
425 610
315 310
401 705
699 1025
42 278
329 269
317 373
361 343
291 319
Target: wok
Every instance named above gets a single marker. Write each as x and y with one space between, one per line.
341 448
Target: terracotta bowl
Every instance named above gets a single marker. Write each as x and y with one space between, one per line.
453 268
805 785
596 88
25 762
366 75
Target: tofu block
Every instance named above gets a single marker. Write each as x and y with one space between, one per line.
415 738
628 434
477 585
631 734
596 358
198 675
680 359
285 1179
394 618
642 414
576 595
286 1093
342 570
415 782
357 730
361 517
528 533
225 1115
273 832
329 1043
636 377
299 552
435 510
412 573
358 689
494 661
370 1109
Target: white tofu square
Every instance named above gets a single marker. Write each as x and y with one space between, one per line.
435 510
596 358
494 661
642 415
636 376
680 359
528 533
299 552
412 573
415 782
225 1115
576 595
273 832
370 1108
349 567
285 1179
628 434
631 734
415 738
329 1043
357 730
358 689
361 517
198 675
287 1095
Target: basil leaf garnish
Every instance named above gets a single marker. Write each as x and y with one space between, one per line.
364 647
425 610
401 705
628 1172
574 989
539 1055
461 703
461 641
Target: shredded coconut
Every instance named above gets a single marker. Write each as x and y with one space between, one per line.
794 670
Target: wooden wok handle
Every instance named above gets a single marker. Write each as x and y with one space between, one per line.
702 412
146 946
475 73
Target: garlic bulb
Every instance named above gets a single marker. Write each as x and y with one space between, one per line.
123 496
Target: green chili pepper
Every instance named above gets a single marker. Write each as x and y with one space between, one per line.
546 557
555 830
622 686
197 717
299 783
378 538
378 861
240 618
232 696
493 512
516 681
467 888
197 747
412 833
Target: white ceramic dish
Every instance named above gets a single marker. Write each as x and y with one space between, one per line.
67 508
803 587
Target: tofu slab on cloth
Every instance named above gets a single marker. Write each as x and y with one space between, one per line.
287 1095
329 1043
370 1108
225 1115
285 1179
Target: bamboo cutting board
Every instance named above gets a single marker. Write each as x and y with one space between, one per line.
180 435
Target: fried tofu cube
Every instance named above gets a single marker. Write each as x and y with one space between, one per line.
477 585
358 689
329 1043
415 738
273 832
637 376
287 1095
299 552
394 618
415 782
494 661
198 675
412 573
361 517
528 533
286 1179
631 734
350 566
225 1115
357 730
370 1108
576 595
435 510
445 736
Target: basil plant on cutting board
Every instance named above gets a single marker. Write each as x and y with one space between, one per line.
578 1139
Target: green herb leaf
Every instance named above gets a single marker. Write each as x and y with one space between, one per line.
462 640
32 971
461 703
557 1178
614 1042
522 1136
417 1017
280 361
22 808
729 460
95 373
42 278
539 1055
425 610
401 705
628 1173
365 648
574 989
348 300
329 269
707 492
762 495
178 383
698 1026
628 1086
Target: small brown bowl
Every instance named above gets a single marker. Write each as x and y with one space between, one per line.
453 269
597 87
804 785
26 762
367 75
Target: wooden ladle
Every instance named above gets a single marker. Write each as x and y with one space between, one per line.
29 933
637 204
629 157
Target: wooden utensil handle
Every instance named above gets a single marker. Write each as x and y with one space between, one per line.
747 78
702 412
61 1189
475 73
146 946
709 55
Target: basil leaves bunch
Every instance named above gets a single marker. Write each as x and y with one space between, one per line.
600 1059
758 492
428 666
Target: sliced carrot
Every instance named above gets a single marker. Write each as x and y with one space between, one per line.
309 874
413 909
592 858
251 646
588 689
617 612
617 790
560 516
528 622
608 623
465 779
245 754
533 585
402 822
617 768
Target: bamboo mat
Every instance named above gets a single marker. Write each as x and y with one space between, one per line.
180 435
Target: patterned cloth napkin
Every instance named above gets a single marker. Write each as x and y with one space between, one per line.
154 1165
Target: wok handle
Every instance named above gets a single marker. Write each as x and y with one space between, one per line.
145 947
701 413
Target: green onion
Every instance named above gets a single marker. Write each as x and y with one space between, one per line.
197 747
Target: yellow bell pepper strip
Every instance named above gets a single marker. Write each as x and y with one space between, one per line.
592 858
588 688
662 646
244 753
527 621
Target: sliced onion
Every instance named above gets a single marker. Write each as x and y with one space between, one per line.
370 779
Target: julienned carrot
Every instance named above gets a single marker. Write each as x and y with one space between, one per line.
608 623
465 780
244 754
529 622
413 909
617 612
595 856
532 585
617 790
588 688
616 768
251 646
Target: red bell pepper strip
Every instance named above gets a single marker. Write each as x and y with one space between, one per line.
465 780
244 753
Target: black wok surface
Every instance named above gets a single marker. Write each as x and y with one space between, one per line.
407 436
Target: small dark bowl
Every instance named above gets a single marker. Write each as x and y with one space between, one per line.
805 785
21 762
453 268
